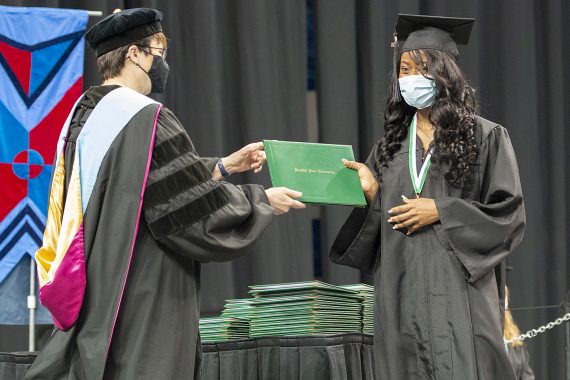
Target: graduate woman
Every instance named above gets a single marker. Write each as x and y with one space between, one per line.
445 208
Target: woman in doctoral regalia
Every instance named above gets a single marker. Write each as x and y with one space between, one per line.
445 208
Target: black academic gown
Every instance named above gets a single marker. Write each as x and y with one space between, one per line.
139 318
437 305
521 362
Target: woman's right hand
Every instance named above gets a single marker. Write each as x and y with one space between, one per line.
367 180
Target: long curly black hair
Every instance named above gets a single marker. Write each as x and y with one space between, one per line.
452 114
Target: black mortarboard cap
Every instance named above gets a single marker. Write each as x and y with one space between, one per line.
122 28
433 32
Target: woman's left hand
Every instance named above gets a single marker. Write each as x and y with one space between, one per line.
250 157
414 214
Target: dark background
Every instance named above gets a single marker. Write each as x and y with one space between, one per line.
239 74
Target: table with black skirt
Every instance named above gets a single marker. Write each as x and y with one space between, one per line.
335 357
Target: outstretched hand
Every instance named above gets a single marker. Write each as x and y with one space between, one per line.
367 180
414 214
250 157
283 199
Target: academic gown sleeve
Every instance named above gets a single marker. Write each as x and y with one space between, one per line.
357 244
210 162
192 214
483 232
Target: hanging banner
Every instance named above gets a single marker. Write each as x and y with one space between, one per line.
41 75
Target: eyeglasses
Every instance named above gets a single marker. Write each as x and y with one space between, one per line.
162 50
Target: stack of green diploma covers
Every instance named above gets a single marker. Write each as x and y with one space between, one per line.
294 309
304 308
223 329
367 294
316 170
237 308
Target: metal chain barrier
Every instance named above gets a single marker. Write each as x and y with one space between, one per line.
534 332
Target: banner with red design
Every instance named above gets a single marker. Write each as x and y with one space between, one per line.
41 73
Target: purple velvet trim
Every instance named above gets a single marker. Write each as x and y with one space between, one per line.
63 296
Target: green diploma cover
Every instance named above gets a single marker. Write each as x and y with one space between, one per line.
316 170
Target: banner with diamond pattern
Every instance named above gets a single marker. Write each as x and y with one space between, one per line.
41 75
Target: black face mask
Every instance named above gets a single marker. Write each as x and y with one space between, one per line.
158 74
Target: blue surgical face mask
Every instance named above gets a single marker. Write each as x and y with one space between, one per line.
417 90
